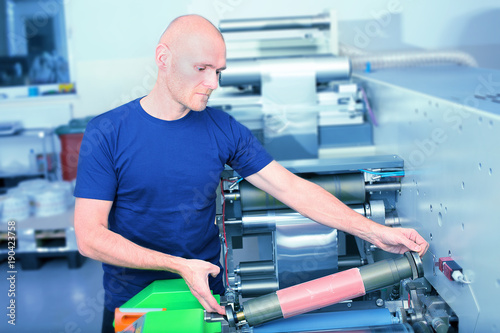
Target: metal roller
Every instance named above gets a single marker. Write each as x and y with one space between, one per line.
327 67
327 290
257 287
258 222
253 268
388 272
351 261
265 221
321 21
349 188
381 187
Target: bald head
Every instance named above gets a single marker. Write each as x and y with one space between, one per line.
190 56
189 26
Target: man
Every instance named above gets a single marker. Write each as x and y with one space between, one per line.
148 172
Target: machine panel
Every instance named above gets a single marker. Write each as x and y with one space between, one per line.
444 122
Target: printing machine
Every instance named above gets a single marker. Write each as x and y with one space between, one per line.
406 147
286 85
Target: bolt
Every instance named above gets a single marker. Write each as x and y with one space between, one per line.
380 302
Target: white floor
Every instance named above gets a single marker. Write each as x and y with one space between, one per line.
54 298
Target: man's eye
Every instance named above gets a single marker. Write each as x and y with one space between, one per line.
200 69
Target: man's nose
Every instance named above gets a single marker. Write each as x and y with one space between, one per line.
212 80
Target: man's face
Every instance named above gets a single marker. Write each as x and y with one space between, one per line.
194 72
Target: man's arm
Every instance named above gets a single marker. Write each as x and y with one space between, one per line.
314 202
96 241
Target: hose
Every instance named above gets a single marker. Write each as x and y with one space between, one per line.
360 58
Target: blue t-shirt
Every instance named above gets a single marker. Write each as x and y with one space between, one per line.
162 178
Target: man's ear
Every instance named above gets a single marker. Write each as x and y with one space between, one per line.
163 55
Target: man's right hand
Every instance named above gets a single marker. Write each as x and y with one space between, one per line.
96 241
195 273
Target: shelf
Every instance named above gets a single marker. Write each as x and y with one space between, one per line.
20 174
50 159
41 132
60 221
20 94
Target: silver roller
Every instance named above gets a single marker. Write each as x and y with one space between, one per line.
380 187
349 188
360 209
321 21
253 268
260 222
250 71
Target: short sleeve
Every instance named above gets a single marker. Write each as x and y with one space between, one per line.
249 156
96 176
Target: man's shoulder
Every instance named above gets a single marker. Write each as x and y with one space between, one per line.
220 117
115 116
214 112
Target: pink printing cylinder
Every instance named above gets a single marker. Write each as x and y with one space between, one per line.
321 292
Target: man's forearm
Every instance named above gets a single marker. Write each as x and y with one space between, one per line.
101 244
319 205
314 202
104 245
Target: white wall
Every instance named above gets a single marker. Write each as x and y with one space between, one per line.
471 26
448 23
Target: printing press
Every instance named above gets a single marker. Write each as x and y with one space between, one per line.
404 145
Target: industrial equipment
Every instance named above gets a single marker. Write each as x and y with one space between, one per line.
325 291
300 266
406 147
427 165
287 85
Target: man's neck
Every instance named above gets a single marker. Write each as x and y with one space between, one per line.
162 106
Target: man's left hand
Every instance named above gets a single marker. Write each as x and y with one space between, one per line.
399 240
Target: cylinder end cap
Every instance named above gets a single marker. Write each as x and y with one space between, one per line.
417 267
230 317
